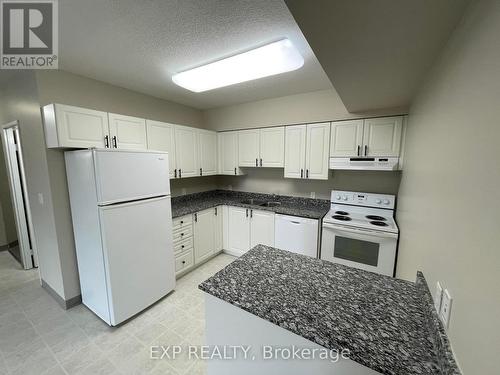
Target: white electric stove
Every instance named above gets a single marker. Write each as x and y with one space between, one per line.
360 231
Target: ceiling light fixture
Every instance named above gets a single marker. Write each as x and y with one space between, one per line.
274 58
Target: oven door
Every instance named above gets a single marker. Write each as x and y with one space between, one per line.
373 251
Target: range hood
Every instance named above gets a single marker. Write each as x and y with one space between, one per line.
365 164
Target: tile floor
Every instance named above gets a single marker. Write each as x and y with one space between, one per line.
39 337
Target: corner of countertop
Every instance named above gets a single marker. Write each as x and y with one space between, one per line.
445 359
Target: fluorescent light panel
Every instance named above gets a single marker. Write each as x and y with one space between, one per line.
274 58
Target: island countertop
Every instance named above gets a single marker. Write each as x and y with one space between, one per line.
387 324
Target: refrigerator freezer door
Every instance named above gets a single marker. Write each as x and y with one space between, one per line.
129 175
138 253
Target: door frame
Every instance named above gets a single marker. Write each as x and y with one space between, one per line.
12 149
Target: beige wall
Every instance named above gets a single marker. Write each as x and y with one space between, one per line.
449 201
7 221
324 105
271 181
3 235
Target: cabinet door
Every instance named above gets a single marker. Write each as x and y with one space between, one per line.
207 152
228 153
317 154
346 138
272 147
238 230
261 228
76 127
295 151
382 136
127 132
248 148
219 212
186 151
160 137
204 235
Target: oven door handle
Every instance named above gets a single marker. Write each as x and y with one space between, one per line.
361 231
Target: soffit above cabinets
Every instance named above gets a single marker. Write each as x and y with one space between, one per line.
377 52
139 45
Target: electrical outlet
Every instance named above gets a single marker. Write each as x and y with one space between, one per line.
183 191
438 297
40 199
445 311
313 194
230 187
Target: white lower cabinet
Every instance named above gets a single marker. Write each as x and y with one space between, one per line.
248 227
182 228
219 212
204 235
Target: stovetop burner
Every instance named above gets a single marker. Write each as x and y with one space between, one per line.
378 223
341 213
341 217
375 218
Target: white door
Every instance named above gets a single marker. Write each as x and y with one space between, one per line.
207 151
186 151
228 153
161 137
238 230
78 127
204 235
272 147
346 138
317 154
219 212
382 136
127 175
127 132
295 151
248 148
261 228
138 255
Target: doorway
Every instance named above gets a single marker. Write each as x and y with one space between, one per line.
17 182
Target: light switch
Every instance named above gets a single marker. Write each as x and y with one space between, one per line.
40 199
446 308
313 194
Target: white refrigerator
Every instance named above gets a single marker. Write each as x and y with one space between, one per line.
122 222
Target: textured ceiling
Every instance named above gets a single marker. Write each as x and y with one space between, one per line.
377 52
140 44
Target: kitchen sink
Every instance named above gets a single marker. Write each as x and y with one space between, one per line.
270 204
253 202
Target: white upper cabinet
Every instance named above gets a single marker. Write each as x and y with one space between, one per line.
272 147
373 137
261 228
318 142
261 147
204 234
160 136
248 148
186 151
306 151
295 151
207 152
228 153
74 127
127 132
382 136
346 138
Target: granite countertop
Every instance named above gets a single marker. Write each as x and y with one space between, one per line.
387 324
294 206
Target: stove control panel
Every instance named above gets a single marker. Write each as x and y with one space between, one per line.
363 199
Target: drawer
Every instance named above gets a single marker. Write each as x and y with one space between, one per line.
182 234
184 261
182 222
182 246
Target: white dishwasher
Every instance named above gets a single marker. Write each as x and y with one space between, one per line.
296 234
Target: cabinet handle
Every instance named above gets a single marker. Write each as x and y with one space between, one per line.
301 173
106 141
201 171
195 218
256 162
175 176
215 211
307 173
247 212
251 214
235 170
114 142
359 149
180 173
366 150
182 247
182 234
183 262
182 222
261 162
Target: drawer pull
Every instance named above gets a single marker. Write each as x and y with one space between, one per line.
183 262
182 247
182 222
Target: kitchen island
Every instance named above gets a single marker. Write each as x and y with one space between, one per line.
274 298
